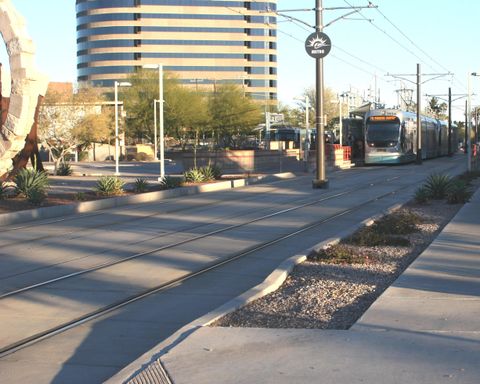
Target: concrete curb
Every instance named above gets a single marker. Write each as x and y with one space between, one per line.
96 205
271 283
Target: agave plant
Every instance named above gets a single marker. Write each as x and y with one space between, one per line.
194 175
109 186
32 184
458 193
211 172
437 185
64 169
141 185
169 182
421 195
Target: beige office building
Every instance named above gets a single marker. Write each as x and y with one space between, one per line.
204 42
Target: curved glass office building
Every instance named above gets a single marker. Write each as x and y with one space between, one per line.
205 42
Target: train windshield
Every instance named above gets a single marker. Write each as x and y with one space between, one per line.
383 133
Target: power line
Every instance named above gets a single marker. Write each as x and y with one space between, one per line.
340 49
332 55
416 46
403 46
391 37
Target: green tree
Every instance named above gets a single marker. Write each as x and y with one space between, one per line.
294 116
185 110
232 114
71 122
138 102
330 105
437 109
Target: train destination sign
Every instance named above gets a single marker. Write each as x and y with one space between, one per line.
382 118
318 45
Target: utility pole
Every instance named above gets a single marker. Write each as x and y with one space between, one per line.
466 124
449 121
320 180
318 45
419 117
468 127
450 101
419 99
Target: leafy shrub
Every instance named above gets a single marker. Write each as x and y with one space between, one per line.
469 176
141 185
397 223
32 184
80 196
338 254
368 237
109 186
421 195
169 182
64 169
194 175
458 192
437 185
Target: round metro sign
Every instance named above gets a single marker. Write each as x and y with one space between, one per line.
318 45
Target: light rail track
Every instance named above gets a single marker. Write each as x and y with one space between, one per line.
165 286
20 344
303 204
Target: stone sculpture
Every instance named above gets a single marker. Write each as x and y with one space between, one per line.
28 87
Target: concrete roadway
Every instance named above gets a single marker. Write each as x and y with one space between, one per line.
95 351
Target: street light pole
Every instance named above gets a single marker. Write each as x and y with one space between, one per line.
117 146
340 118
155 141
161 101
160 116
117 171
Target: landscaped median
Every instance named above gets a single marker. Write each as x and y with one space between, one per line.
73 207
331 286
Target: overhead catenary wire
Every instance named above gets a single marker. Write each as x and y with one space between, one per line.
405 47
340 49
332 55
418 47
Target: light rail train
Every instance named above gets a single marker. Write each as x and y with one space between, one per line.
391 136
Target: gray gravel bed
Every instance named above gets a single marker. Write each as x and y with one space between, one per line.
333 296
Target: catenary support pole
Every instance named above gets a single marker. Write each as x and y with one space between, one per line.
449 121
320 179
468 126
419 117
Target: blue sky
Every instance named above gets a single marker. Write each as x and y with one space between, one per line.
441 35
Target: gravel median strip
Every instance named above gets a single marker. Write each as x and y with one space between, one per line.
327 295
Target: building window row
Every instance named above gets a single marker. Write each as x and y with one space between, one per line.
84 57
84 69
89 4
84 30
138 42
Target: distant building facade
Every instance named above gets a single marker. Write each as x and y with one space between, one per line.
204 42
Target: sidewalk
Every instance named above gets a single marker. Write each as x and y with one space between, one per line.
425 328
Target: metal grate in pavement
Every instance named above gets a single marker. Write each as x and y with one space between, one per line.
153 374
